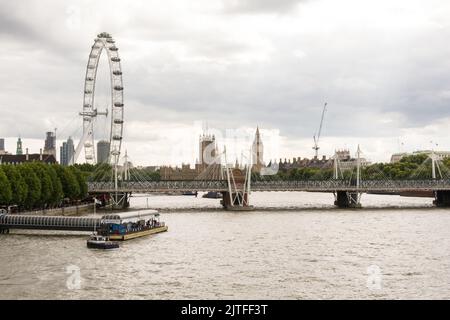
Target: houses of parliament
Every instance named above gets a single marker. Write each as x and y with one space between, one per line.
208 164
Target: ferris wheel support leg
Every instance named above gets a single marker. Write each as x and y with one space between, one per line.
79 147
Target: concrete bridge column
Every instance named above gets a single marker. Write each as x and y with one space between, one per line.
345 199
442 198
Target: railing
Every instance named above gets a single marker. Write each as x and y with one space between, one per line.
158 186
300 185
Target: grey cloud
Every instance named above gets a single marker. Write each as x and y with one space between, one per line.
11 27
376 83
260 6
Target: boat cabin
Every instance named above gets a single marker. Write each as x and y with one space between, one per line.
127 222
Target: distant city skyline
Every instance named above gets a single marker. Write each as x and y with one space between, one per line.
66 152
171 157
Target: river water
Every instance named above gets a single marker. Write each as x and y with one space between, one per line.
297 246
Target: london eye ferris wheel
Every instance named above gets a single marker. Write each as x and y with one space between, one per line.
103 43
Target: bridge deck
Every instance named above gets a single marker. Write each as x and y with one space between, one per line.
307 185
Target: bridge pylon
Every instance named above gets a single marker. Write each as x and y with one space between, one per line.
121 199
347 199
237 197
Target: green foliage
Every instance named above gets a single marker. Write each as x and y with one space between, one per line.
58 193
5 189
70 186
144 174
46 183
102 172
81 180
19 187
86 167
416 158
446 163
34 186
309 174
409 167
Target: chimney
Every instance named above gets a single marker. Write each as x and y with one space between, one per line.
40 154
26 155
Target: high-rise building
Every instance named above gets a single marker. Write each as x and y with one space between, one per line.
257 152
50 143
66 152
2 147
19 150
103 148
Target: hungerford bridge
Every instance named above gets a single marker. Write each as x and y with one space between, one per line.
234 186
237 195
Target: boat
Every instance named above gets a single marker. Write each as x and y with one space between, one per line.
101 242
131 225
213 195
190 193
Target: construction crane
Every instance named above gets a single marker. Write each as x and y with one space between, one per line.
316 139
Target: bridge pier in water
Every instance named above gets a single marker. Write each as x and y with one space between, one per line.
120 200
442 198
345 199
237 201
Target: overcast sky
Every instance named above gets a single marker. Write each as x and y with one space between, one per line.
382 66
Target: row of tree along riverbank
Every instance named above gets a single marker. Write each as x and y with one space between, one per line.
417 167
35 185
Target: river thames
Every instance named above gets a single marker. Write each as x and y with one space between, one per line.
293 246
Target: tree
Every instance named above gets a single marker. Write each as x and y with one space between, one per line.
19 188
33 183
58 193
81 180
5 189
102 172
69 182
415 158
46 183
86 167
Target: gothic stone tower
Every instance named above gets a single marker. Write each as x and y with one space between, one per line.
257 152
207 151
